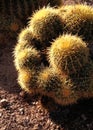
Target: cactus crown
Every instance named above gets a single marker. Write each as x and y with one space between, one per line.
46 24
68 53
79 20
28 58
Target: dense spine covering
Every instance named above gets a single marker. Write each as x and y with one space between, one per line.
56 86
49 82
79 20
26 40
27 80
83 81
27 58
26 50
46 24
68 54
69 72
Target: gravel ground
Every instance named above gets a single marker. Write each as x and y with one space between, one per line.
20 111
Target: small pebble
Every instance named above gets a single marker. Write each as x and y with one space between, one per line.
1 114
83 117
36 127
22 94
21 110
4 103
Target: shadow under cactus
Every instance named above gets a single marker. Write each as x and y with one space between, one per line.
75 117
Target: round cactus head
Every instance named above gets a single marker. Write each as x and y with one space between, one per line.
68 54
46 24
58 87
27 80
49 82
26 39
79 20
25 35
27 58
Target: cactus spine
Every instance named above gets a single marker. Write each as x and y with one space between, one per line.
68 76
68 54
79 20
46 24
27 80
83 81
59 88
28 58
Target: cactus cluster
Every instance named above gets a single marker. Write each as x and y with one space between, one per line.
51 61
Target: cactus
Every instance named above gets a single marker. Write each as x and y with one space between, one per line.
49 82
27 58
10 26
46 25
64 90
22 8
83 81
26 39
59 88
14 14
68 75
25 35
68 54
27 80
79 20
26 46
64 8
